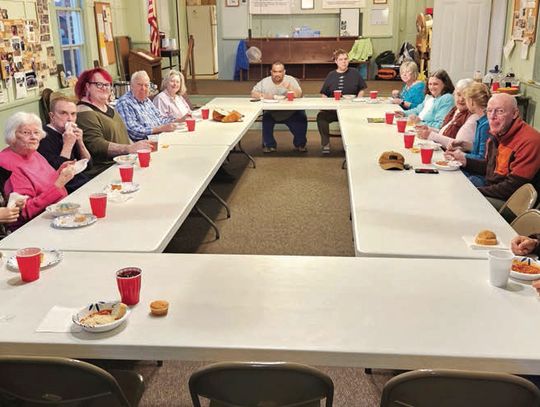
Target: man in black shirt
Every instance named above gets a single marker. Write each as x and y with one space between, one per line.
63 141
349 82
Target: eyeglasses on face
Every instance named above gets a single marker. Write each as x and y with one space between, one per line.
28 133
101 85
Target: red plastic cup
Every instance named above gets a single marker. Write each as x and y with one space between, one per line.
337 94
389 117
401 125
29 262
495 86
153 139
205 112
144 158
290 96
126 173
427 154
98 203
129 284
190 124
373 94
408 139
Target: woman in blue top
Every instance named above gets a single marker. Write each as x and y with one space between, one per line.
412 92
476 97
437 102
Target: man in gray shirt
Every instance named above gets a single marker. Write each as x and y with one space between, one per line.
278 83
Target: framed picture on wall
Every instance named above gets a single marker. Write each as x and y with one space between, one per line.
232 3
307 5
380 1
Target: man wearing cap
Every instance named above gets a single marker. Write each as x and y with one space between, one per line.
279 84
512 153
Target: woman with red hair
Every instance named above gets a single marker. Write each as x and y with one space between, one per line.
105 134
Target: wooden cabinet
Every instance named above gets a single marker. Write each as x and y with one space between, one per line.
304 58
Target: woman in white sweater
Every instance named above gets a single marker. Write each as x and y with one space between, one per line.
459 124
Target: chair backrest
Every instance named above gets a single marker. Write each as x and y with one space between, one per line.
261 385
521 200
58 381
45 104
528 223
451 388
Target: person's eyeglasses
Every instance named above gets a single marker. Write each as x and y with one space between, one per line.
496 112
28 133
101 85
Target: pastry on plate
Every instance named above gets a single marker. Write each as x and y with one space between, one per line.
486 238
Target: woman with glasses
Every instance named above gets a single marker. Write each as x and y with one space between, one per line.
437 102
412 92
104 132
172 101
31 174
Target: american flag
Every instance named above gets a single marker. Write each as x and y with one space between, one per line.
154 32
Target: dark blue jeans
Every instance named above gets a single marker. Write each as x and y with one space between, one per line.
296 122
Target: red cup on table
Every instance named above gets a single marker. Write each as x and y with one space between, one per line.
98 203
426 154
126 172
290 95
153 139
144 158
495 86
337 94
408 139
128 280
401 125
29 262
389 117
373 94
190 123
205 113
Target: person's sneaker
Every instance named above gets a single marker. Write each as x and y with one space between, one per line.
301 149
326 149
267 150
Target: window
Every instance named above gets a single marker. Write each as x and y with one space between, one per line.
69 14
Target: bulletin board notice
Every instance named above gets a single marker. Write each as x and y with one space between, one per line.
104 31
270 7
343 3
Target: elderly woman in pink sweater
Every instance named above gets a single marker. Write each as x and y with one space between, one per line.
31 174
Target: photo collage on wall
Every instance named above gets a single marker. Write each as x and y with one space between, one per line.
25 60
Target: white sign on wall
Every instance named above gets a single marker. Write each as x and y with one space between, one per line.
270 7
343 3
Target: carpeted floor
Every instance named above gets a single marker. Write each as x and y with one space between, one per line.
291 204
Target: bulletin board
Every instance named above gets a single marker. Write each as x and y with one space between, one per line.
104 31
524 19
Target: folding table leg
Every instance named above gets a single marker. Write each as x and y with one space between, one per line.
210 221
221 201
238 149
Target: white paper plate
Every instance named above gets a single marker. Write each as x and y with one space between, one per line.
64 208
95 307
50 258
125 159
362 100
270 101
450 166
73 221
80 165
470 241
127 187
525 276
